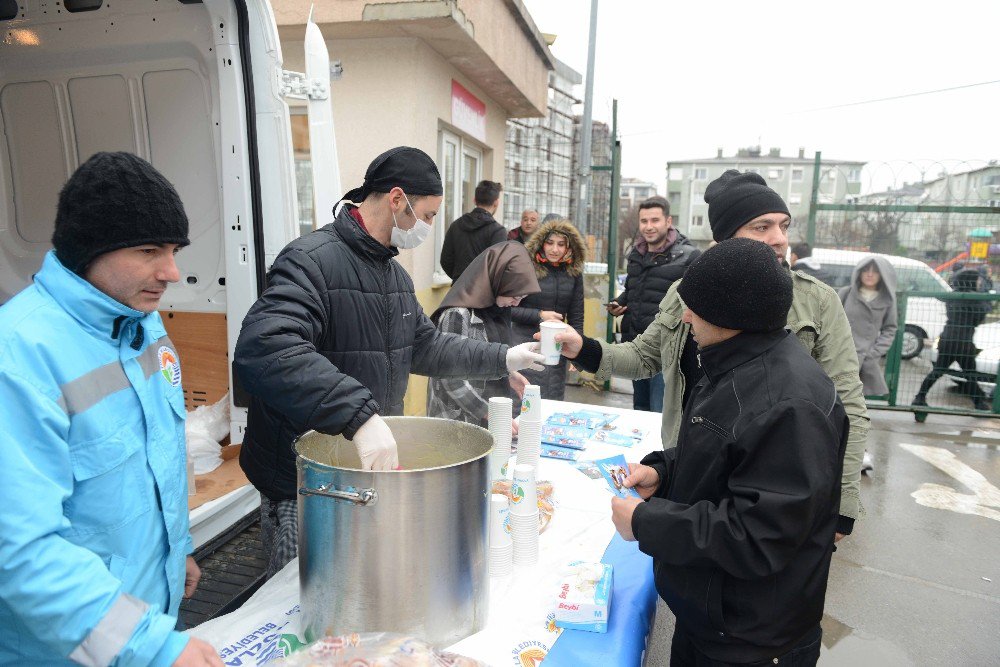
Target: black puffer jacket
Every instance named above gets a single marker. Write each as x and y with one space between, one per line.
741 528
562 291
650 275
468 236
332 341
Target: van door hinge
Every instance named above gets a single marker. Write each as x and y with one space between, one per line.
298 86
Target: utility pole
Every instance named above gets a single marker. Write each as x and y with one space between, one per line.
616 179
586 130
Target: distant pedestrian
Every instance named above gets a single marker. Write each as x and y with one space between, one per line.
802 260
956 342
529 223
660 258
474 232
870 303
557 252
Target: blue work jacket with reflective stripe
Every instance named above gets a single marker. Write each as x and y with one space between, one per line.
93 499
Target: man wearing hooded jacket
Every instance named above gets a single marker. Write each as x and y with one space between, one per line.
94 541
331 342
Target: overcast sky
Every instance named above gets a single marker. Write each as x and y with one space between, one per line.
695 76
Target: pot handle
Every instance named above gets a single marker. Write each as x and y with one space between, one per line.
363 498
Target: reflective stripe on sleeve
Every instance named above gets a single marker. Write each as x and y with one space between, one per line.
112 633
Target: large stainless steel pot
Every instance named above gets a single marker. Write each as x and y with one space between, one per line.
398 551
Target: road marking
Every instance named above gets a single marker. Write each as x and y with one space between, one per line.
924 582
985 500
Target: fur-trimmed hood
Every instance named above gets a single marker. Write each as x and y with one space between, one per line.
576 246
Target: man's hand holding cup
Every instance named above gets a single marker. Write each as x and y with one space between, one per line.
572 342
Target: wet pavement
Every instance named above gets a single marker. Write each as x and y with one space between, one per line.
918 583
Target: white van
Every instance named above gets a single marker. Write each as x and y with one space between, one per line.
925 316
195 87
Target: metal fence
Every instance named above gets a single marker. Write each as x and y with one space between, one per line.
930 220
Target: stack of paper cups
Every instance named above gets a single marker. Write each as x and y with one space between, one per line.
524 515
501 543
500 428
529 429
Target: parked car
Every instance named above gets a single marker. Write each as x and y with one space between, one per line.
925 316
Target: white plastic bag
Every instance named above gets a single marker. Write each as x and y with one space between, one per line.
206 426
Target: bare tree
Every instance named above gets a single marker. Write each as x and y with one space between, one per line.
840 232
883 230
945 237
628 229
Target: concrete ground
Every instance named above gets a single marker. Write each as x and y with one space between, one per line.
918 582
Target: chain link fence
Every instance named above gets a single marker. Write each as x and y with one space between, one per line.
931 221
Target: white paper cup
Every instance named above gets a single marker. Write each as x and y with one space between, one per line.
525 534
524 494
531 405
499 463
551 350
499 524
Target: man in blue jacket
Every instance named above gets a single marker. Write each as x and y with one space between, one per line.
94 540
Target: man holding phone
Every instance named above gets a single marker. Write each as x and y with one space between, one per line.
661 256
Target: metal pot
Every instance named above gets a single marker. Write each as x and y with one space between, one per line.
396 551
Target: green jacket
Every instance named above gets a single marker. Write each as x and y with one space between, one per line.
818 320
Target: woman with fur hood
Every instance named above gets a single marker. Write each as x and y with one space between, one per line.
558 252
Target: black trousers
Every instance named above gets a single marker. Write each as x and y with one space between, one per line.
965 354
683 653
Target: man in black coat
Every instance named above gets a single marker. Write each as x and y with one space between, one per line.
740 516
660 257
474 232
331 342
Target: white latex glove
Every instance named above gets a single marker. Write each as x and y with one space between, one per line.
524 356
376 445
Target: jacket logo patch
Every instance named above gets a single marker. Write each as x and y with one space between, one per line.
170 367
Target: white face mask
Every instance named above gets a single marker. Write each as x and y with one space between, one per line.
404 239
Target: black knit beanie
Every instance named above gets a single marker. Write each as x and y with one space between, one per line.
734 199
114 201
739 284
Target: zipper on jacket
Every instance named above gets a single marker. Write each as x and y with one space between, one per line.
388 355
718 430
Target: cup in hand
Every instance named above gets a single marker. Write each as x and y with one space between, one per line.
551 350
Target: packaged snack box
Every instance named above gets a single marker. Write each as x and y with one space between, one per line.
583 600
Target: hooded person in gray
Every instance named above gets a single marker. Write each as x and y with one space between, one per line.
870 303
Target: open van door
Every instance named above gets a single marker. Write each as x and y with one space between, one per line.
193 87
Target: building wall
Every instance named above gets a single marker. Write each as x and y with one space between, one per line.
498 28
791 178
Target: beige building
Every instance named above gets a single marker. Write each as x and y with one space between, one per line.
440 75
